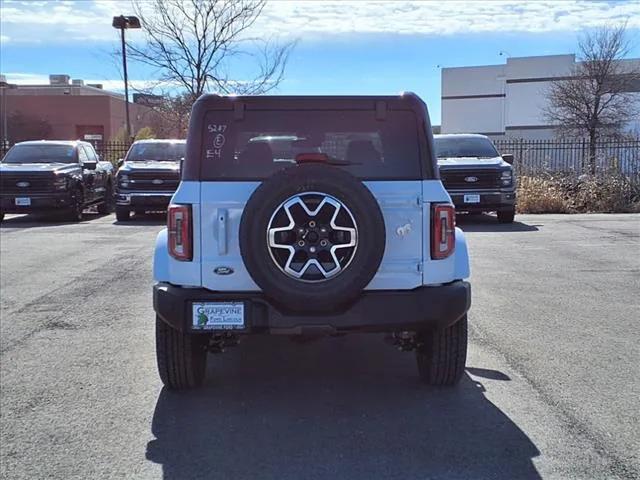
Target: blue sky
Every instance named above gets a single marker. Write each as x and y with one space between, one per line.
343 47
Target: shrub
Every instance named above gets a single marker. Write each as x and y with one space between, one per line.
540 195
609 194
559 193
145 133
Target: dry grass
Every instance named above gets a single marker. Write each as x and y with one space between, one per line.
540 195
553 193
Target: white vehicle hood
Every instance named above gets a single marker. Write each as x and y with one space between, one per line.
471 162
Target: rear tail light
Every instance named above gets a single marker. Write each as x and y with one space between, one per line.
180 232
443 236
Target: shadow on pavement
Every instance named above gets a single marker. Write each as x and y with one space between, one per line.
144 219
489 223
487 373
54 219
337 408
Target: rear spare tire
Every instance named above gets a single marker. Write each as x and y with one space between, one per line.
312 237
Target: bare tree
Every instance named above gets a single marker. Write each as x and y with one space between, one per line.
195 45
171 114
596 100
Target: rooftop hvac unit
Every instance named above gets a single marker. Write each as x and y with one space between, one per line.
77 82
59 79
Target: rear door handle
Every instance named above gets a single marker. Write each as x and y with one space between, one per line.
221 219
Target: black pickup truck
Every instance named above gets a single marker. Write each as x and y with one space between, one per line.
148 176
476 176
54 176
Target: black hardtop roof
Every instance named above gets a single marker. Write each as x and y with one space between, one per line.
239 104
404 101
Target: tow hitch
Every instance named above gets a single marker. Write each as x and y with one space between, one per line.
403 341
220 341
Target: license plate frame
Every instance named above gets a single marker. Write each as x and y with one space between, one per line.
471 198
226 316
23 201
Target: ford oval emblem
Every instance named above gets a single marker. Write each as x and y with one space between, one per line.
23 184
223 270
157 181
471 179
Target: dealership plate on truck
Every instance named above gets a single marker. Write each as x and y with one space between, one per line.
472 199
218 315
23 201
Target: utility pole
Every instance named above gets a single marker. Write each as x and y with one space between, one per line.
122 23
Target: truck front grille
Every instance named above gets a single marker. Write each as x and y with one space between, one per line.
26 184
470 179
153 181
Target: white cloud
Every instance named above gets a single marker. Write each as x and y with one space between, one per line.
47 21
443 18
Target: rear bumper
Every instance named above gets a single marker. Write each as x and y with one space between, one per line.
134 199
39 202
490 200
424 308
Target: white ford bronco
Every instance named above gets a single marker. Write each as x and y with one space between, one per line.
310 216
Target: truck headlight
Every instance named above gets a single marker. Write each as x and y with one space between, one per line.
506 178
60 183
124 180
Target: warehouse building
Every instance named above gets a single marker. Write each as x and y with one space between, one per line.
66 109
505 100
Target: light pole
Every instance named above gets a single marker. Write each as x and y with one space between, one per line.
122 23
4 85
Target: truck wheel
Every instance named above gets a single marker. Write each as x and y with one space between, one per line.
107 205
506 216
181 357
75 212
442 354
122 214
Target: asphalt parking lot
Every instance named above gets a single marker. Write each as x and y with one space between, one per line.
551 389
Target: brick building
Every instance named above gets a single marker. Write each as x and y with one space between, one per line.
67 110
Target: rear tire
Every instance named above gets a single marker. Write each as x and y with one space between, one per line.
442 355
181 357
506 216
123 214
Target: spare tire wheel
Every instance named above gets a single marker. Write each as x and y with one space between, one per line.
312 237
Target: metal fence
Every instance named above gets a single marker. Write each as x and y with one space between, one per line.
111 151
532 157
535 157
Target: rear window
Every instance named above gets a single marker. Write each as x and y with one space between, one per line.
457 147
265 141
158 151
40 154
